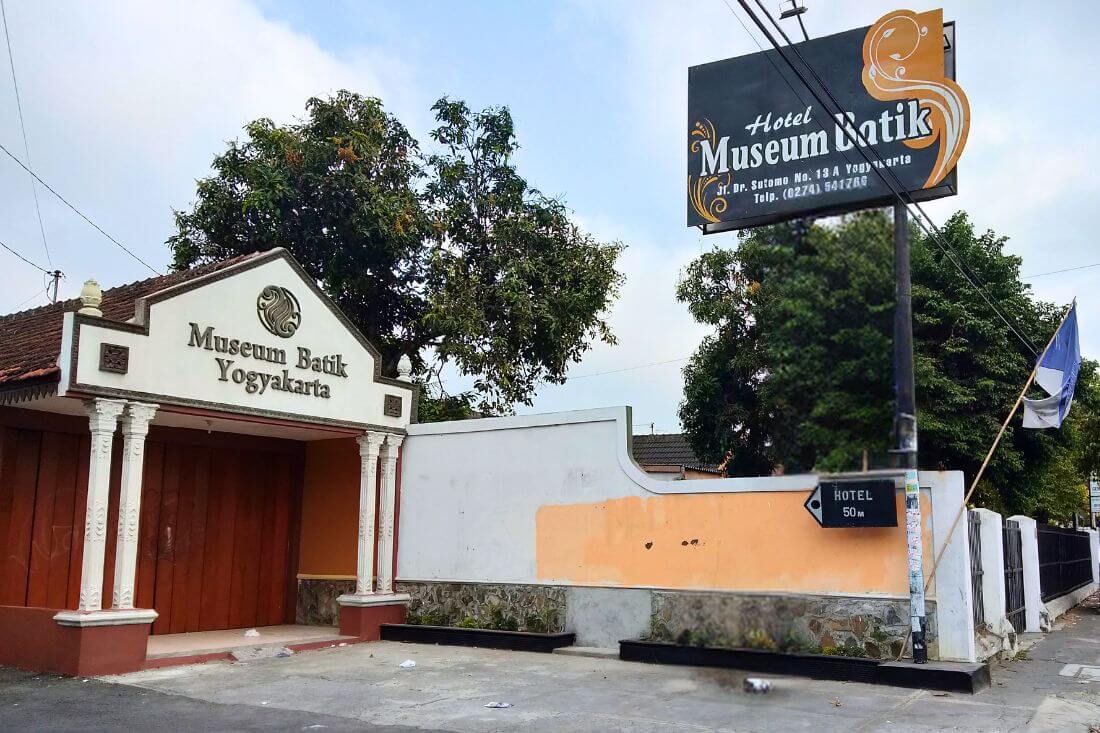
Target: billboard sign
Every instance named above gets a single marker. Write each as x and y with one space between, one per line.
762 149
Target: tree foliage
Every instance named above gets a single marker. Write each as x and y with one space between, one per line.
798 374
449 257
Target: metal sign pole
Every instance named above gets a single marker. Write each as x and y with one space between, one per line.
905 429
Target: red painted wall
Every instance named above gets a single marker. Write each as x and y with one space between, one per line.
330 508
219 526
31 639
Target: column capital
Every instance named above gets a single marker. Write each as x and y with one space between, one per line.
137 418
370 443
393 443
103 414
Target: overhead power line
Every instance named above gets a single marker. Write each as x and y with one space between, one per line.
1059 272
927 225
23 127
77 211
627 369
22 303
37 267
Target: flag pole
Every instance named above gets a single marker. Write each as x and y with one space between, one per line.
989 455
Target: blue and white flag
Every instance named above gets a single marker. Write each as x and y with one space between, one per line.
1057 374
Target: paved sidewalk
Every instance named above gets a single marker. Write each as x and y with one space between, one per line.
362 685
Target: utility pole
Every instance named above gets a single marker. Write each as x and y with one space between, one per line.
51 289
905 429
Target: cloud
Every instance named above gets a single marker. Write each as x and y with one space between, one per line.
126 105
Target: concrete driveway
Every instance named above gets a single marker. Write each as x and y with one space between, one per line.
363 687
449 687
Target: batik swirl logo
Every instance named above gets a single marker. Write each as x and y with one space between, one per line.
279 311
903 60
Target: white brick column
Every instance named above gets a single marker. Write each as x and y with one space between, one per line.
135 426
102 422
387 512
991 531
1029 550
369 446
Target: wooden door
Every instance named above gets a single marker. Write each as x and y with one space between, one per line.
218 534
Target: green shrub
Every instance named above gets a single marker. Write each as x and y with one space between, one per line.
658 631
848 649
760 639
792 643
544 621
469 623
501 621
435 617
702 638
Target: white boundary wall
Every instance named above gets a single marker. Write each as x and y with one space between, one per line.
471 490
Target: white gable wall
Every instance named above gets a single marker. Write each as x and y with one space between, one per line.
165 367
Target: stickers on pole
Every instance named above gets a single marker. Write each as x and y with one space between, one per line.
854 503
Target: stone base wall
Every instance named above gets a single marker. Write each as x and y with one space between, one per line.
487 605
875 627
878 627
317 604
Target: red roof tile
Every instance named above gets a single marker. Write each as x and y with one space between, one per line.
30 341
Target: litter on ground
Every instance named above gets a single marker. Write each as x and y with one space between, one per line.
757 686
407 664
498 705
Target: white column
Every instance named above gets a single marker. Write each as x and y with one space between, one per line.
991 531
135 426
1094 553
369 446
387 509
954 599
1033 595
102 420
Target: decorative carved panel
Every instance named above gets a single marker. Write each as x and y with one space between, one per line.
114 358
392 406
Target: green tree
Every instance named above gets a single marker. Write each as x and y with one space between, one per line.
801 358
449 258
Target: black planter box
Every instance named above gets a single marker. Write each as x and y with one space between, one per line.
522 641
943 676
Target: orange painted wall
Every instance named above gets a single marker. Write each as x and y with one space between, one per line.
330 508
762 541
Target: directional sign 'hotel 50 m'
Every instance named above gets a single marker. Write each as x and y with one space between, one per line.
761 148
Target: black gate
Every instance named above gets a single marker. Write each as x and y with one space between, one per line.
1065 560
1014 574
974 528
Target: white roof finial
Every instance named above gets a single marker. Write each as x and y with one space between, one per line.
404 368
91 295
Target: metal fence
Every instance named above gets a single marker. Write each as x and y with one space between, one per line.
974 528
1014 574
1065 560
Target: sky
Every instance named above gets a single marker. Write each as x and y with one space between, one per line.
127 103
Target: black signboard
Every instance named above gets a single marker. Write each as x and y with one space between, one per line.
762 149
855 503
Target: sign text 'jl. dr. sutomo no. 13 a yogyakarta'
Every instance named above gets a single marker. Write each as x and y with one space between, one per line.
762 148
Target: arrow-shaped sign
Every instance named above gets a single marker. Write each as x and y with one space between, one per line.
854 503
813 505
